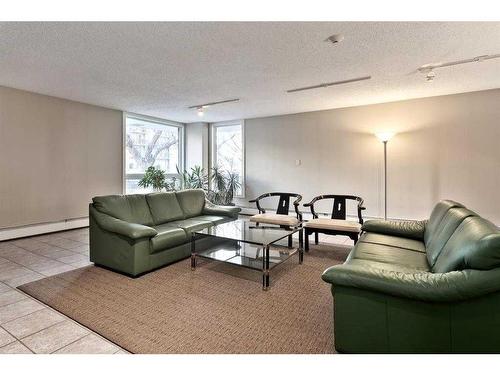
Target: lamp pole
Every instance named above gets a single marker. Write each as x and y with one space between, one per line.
385 180
384 138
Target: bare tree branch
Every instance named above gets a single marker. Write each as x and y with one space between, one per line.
152 150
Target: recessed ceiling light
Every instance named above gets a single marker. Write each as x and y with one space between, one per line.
335 38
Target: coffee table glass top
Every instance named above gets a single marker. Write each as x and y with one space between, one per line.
248 232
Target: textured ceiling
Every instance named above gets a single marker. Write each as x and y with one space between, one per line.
160 69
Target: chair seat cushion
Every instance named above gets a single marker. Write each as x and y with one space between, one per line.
334 224
276 219
167 237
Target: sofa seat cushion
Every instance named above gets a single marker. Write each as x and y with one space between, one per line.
167 237
132 208
390 255
190 225
214 219
276 219
383 239
389 267
334 224
164 207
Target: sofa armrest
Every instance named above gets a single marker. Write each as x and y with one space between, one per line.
424 286
213 209
112 224
408 228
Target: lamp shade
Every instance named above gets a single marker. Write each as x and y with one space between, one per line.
385 136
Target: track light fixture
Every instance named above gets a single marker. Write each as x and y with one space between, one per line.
200 108
429 69
430 76
323 85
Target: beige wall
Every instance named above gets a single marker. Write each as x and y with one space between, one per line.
196 145
446 147
54 156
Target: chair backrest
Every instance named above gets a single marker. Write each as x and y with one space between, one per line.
339 209
283 203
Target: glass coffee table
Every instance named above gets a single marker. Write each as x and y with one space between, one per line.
245 244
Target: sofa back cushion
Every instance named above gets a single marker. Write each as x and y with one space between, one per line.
131 208
474 244
450 221
191 201
164 207
436 216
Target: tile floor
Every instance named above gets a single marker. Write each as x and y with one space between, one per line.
28 326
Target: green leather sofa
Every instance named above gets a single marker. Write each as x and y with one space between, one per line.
134 234
420 286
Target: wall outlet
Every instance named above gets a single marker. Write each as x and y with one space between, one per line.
298 162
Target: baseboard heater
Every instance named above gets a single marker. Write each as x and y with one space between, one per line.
42 228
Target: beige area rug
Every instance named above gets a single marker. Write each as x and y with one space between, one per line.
218 308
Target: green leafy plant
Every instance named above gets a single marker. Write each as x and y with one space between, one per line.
153 177
196 179
220 186
225 184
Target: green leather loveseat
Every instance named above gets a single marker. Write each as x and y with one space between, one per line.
134 234
420 286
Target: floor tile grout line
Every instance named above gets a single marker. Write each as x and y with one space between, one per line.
11 303
26 346
66 317
36 236
3 346
22 316
31 334
72 342
55 260
22 265
19 342
43 306
44 256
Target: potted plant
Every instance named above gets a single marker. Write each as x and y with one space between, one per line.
153 177
221 189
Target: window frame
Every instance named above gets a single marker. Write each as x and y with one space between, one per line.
213 151
159 121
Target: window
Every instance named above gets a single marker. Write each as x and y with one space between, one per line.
150 142
228 149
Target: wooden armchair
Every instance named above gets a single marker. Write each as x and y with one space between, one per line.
282 216
337 224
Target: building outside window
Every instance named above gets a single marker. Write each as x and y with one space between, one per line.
228 149
150 142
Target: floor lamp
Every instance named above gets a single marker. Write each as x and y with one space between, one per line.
384 138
